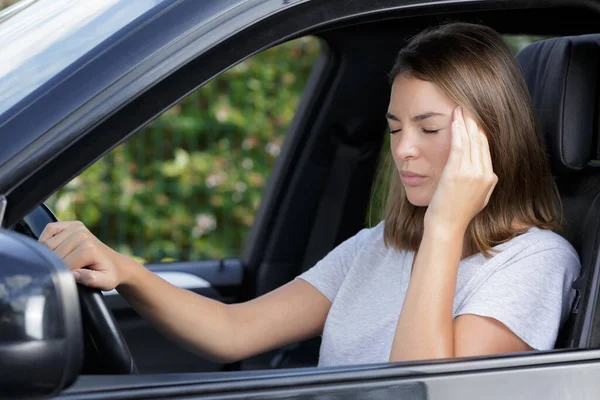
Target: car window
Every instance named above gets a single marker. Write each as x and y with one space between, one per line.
517 42
187 186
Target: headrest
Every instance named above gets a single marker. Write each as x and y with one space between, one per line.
562 76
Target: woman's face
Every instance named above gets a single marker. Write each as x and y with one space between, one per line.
420 118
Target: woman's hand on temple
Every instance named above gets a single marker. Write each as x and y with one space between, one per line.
467 181
93 263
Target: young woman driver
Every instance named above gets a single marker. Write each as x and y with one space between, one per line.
464 262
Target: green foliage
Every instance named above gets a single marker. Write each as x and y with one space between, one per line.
188 185
517 42
6 3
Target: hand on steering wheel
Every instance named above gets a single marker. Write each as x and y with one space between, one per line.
93 263
94 267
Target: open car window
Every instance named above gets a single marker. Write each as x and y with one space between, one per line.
187 186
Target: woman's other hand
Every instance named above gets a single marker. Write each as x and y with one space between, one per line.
93 263
467 181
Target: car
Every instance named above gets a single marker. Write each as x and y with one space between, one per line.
67 99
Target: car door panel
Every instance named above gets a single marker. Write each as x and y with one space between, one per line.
549 375
153 352
217 279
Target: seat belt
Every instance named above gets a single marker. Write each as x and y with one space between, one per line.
578 285
331 207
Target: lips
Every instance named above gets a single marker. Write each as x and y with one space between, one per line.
411 174
411 179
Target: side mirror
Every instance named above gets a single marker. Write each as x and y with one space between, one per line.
41 336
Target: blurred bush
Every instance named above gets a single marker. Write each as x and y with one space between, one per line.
187 186
6 3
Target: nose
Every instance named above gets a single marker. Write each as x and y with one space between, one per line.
405 144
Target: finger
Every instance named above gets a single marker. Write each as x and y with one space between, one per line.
70 243
82 256
92 279
489 195
53 242
455 156
466 140
55 228
474 134
52 229
486 157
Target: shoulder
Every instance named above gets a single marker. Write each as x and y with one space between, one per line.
543 248
538 240
367 236
329 273
373 233
527 286
365 240
368 242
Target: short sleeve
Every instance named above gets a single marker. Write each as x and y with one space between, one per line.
328 274
531 296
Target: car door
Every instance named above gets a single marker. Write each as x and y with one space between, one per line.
553 376
181 194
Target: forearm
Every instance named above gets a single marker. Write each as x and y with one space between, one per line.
425 325
200 324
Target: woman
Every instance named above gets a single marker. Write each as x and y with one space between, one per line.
464 262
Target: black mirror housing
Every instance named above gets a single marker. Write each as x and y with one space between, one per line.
41 336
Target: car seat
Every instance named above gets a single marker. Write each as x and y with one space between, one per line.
562 76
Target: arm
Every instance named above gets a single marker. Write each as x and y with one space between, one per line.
425 328
220 332
227 333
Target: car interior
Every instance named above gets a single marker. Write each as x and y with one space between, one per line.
321 187
562 76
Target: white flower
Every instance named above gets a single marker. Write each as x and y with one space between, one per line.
205 223
74 183
273 149
222 114
214 180
247 144
64 203
247 163
240 187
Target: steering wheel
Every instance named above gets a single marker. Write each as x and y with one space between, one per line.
106 351
105 344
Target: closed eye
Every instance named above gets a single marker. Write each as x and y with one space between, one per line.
395 131
430 131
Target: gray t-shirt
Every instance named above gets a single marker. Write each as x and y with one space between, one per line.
527 287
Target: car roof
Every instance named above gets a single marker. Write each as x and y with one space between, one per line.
136 42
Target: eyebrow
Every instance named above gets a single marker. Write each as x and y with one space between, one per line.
419 117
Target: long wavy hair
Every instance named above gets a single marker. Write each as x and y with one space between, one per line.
474 67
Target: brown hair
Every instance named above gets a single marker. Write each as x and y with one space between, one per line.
474 67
